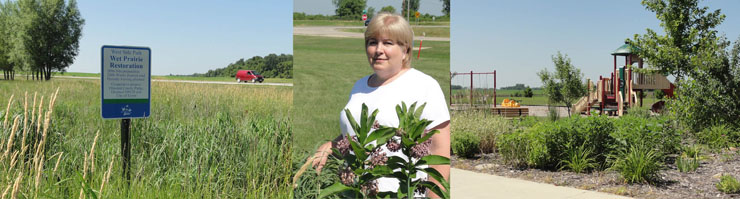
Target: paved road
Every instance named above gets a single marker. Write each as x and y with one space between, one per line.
333 31
468 184
194 82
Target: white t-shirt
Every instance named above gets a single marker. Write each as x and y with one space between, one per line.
412 86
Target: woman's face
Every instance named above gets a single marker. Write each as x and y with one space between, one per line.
385 55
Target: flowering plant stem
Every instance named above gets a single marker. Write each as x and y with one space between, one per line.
364 161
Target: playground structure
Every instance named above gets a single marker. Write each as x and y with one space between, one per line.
620 90
480 97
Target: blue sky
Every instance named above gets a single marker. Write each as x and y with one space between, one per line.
185 37
518 38
326 7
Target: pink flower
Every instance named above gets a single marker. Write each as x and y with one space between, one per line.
343 145
370 188
347 176
376 125
377 157
393 146
421 149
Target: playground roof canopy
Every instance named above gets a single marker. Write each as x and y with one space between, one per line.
626 49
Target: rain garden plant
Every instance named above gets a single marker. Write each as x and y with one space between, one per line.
362 162
728 184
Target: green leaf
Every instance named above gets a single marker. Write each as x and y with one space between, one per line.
381 170
437 176
435 160
364 129
336 188
352 121
382 135
359 151
436 189
417 113
428 136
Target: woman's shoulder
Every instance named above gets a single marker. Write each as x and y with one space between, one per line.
417 76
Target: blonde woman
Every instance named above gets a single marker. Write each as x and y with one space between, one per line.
388 44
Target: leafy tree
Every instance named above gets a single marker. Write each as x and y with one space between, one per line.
566 84
414 6
690 38
50 34
349 9
389 9
707 74
6 44
528 92
446 7
370 13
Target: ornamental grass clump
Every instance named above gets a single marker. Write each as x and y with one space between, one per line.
362 162
728 184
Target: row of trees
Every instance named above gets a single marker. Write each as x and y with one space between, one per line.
270 66
352 9
39 36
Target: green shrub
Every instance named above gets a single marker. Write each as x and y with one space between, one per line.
728 184
552 113
659 94
465 144
483 124
653 132
637 164
718 137
579 159
513 147
686 163
547 144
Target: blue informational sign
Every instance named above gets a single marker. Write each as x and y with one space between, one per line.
125 82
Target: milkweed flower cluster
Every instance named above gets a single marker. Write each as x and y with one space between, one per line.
364 161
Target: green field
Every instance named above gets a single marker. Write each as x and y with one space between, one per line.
418 31
201 141
352 23
167 77
326 68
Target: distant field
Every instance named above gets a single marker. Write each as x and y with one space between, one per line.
167 77
350 23
201 141
326 68
418 31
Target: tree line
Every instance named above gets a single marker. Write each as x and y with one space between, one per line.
270 66
39 37
352 10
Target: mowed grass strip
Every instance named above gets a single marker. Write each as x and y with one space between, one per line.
354 23
327 68
418 31
201 141
166 77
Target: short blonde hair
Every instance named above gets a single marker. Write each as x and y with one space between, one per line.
396 28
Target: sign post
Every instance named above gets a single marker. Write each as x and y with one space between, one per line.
417 17
125 89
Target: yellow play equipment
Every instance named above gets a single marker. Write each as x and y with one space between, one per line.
510 103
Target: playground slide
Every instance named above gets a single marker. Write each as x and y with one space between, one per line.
586 101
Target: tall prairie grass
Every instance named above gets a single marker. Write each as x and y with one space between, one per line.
201 141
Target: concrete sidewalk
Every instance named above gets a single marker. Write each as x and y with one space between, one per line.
468 184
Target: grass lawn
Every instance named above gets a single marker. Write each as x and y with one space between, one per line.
418 31
167 77
200 141
326 68
352 23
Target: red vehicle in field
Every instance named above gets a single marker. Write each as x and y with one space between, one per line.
249 75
